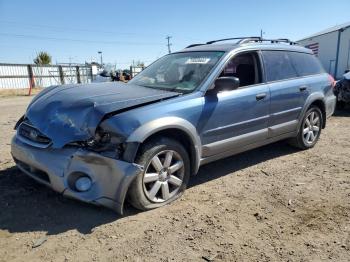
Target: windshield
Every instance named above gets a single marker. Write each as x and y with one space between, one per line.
182 72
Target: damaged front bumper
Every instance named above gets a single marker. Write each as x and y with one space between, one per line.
60 168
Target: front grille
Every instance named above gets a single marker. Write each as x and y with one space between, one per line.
29 132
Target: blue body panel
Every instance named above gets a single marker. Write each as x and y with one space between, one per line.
234 113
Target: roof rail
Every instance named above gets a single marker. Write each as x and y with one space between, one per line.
243 40
193 45
250 39
286 40
234 38
272 41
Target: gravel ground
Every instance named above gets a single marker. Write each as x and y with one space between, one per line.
270 204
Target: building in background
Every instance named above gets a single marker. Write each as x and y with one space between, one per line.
332 47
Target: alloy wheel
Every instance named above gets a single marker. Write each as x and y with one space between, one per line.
163 176
311 127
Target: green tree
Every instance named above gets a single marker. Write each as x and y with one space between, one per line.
42 58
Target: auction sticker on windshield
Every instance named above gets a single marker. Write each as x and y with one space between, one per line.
198 60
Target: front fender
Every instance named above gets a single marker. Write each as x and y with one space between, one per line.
160 124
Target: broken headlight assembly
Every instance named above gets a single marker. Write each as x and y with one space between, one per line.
105 143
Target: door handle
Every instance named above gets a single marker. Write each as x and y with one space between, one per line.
302 88
260 96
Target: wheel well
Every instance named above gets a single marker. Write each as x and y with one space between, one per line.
320 104
180 136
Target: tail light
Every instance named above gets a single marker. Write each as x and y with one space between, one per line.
333 82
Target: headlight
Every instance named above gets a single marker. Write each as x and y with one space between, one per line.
100 138
106 144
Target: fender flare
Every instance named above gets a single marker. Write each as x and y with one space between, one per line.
170 122
143 132
311 99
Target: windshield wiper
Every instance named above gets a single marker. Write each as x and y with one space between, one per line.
165 89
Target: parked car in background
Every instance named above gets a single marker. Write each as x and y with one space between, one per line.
143 140
126 75
106 75
103 76
342 90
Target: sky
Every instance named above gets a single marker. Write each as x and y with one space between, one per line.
127 31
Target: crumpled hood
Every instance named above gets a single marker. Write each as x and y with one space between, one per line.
72 112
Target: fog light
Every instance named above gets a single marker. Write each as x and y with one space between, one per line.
83 184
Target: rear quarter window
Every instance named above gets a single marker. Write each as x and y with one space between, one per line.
278 66
306 64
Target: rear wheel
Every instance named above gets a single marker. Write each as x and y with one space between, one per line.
165 176
310 129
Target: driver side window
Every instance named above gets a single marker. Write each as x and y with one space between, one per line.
246 67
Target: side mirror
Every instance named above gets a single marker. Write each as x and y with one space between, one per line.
226 83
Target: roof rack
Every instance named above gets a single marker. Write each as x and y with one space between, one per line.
234 38
250 39
282 40
243 40
193 45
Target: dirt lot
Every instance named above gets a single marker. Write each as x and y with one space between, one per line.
270 204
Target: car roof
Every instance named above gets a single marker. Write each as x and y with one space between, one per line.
247 46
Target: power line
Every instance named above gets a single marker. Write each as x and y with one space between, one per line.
169 44
77 40
148 60
72 28
16 46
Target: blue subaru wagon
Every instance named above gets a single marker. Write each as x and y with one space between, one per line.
103 143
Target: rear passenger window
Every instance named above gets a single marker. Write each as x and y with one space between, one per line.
278 66
306 64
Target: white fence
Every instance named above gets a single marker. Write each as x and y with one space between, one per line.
134 70
20 76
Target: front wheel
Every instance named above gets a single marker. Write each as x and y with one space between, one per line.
166 172
310 129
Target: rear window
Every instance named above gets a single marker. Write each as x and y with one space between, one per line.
278 66
306 64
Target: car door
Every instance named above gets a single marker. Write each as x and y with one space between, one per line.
234 119
288 92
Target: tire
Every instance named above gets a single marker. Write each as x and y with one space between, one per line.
159 183
304 139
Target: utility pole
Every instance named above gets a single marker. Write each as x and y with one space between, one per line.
261 33
169 44
100 52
